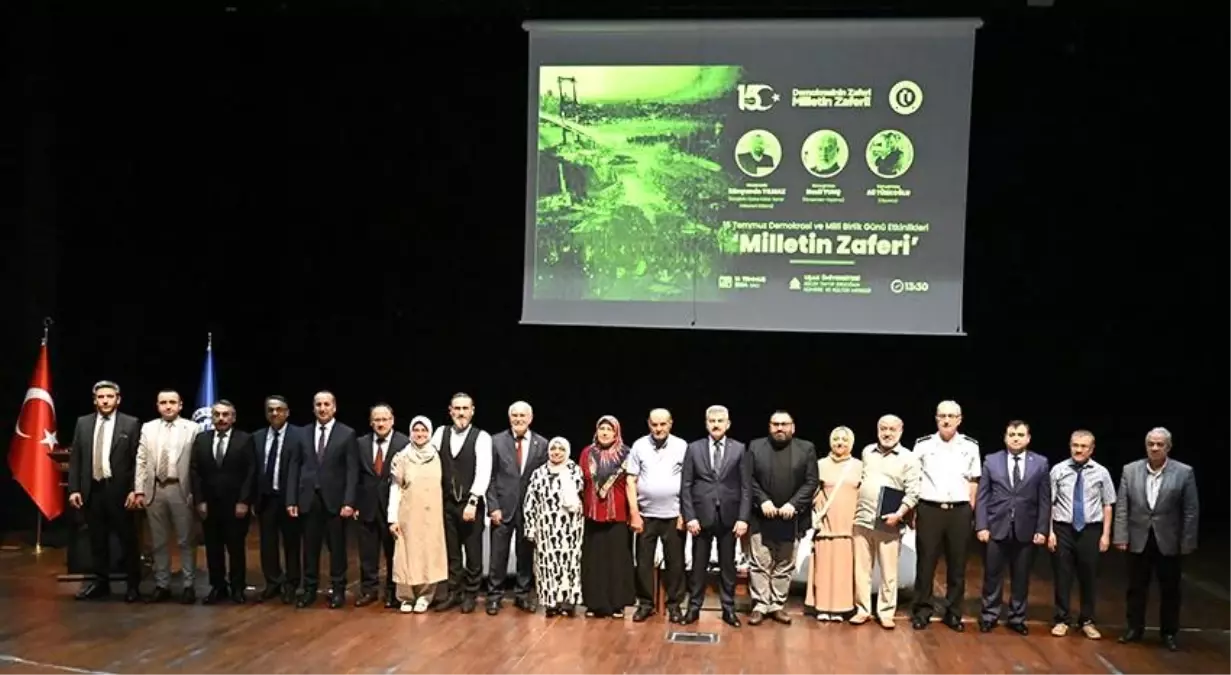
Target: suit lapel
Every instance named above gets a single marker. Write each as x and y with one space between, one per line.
366 450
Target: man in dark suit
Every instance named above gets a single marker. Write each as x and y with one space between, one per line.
376 451
1013 517
516 453
321 490
224 486
1156 523
102 467
274 446
715 497
784 481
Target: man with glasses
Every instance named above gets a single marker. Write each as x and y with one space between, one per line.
950 467
275 444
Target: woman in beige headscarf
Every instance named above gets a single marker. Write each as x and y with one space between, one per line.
416 517
831 578
554 523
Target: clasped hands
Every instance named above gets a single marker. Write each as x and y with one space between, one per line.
985 536
785 512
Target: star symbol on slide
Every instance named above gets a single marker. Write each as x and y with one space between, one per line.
49 439
777 97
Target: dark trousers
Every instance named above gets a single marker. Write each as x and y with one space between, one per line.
701 545
374 536
503 537
464 544
1076 554
1017 556
105 515
1167 568
663 529
225 538
280 534
319 525
941 531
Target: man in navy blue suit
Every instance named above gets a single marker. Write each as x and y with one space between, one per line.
715 498
1012 516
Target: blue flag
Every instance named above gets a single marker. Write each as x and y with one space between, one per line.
206 392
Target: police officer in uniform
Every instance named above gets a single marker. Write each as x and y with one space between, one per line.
950 467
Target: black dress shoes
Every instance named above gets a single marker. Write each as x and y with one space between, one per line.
692 616
1131 635
307 598
271 591
643 612
674 615
730 618
215 594
986 626
1169 643
337 599
93 591
954 622
493 606
918 623
468 604
189 596
288 595
1019 628
365 599
448 603
160 594
238 597
391 601
132 595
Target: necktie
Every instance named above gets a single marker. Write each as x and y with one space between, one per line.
717 456
271 462
1017 470
1079 499
164 452
320 442
220 450
519 440
379 463
99 474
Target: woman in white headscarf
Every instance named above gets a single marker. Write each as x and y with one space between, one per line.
416 519
554 523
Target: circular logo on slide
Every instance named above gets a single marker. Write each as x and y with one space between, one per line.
825 153
890 153
757 153
905 97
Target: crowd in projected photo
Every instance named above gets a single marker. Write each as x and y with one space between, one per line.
630 181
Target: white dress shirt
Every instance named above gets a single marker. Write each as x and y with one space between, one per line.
1154 483
948 468
222 440
384 448
482 454
1008 462
316 433
269 442
108 434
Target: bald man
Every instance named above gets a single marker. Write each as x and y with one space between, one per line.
655 469
878 538
950 465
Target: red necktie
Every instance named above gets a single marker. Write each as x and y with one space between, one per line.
379 463
519 455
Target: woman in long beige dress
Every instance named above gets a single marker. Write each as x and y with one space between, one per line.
831 581
416 519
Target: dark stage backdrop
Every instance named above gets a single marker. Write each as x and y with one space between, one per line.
341 204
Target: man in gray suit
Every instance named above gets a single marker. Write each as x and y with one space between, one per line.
715 498
163 489
1156 522
516 453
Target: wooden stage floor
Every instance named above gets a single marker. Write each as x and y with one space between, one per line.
45 631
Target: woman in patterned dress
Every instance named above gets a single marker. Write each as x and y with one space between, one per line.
554 524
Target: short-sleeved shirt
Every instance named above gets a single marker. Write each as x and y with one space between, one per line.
947 467
658 472
1097 490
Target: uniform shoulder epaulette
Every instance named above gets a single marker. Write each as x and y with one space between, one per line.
971 440
923 439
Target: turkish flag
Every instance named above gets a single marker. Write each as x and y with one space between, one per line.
34 437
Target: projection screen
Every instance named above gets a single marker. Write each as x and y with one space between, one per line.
789 176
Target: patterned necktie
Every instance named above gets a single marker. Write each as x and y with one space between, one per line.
379 463
1079 499
99 474
519 440
164 452
320 443
220 449
1017 470
717 456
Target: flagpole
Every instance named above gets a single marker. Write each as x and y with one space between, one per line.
38 515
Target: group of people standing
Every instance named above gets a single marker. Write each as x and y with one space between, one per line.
420 501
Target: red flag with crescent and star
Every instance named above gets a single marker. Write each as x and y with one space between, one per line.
34 438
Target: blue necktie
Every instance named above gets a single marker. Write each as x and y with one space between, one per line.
1079 499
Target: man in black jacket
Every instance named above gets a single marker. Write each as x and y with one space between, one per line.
376 451
224 486
516 453
102 469
784 481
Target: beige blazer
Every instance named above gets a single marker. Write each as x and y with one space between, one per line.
181 454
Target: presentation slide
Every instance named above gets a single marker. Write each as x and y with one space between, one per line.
796 176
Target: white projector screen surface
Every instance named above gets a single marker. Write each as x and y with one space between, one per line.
793 176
